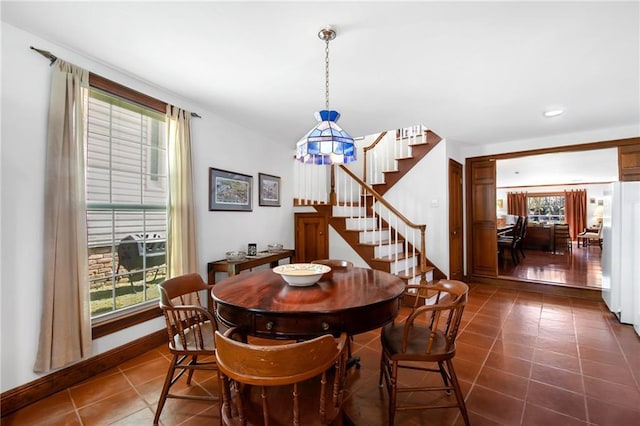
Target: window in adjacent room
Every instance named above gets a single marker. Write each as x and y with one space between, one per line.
126 185
545 208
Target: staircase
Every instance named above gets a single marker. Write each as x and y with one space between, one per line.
379 233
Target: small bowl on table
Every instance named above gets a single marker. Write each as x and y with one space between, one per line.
301 274
235 256
274 248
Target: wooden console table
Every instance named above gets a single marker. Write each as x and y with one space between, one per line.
234 268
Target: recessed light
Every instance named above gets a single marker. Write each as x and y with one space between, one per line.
553 112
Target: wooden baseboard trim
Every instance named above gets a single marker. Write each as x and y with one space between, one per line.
17 398
535 287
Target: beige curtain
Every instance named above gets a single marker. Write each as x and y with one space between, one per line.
182 256
575 211
65 330
517 203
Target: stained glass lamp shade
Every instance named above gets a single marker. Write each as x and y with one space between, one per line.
326 143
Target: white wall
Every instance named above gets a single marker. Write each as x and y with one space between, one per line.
422 196
216 143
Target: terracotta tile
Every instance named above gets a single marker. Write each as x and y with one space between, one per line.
495 406
111 409
142 417
144 372
598 355
509 384
470 352
613 393
517 366
57 405
466 370
603 413
475 339
620 374
514 350
483 329
556 377
538 416
554 345
518 338
34 417
476 420
95 390
557 360
152 355
556 399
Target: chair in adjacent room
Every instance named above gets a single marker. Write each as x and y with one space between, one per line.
425 341
510 242
294 383
561 238
523 234
190 329
591 236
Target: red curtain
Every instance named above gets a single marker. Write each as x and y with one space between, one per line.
517 203
575 211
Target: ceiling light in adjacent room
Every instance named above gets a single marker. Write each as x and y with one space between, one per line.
553 112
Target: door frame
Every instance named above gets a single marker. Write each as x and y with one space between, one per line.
471 202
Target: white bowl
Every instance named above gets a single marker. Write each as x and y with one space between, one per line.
301 274
235 256
274 248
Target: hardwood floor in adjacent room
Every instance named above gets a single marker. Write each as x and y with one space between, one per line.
579 267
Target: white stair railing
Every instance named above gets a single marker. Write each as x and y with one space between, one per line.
394 236
382 155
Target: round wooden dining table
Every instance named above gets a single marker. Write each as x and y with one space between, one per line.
352 300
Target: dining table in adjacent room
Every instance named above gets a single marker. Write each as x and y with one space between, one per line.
352 300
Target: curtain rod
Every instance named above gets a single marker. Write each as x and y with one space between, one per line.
52 58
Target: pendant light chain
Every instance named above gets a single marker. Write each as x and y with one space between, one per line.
326 74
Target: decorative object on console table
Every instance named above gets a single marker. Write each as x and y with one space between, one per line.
234 268
268 190
230 191
252 249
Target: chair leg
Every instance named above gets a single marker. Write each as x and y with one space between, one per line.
194 360
165 388
393 391
443 373
458 392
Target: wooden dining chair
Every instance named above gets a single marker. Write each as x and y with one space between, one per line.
425 341
561 238
190 329
334 263
510 242
294 383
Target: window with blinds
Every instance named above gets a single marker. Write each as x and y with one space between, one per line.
126 186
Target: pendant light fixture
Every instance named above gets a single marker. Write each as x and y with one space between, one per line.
326 143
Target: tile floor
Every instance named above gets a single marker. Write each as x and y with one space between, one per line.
522 358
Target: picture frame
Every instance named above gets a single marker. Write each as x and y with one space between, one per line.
230 191
268 190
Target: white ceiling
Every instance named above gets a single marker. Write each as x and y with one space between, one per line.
597 166
474 72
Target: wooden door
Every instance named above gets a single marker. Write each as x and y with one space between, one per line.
311 237
456 249
482 239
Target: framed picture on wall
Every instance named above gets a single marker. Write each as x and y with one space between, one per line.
268 190
230 191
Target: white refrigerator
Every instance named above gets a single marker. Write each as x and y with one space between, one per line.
621 252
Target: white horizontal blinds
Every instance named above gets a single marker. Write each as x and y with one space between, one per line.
126 168
127 196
